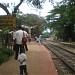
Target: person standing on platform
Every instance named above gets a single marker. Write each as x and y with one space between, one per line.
25 34
13 38
40 39
22 59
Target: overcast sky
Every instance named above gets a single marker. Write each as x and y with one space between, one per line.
27 9
47 6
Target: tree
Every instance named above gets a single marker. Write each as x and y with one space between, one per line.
15 9
32 20
4 8
35 3
62 19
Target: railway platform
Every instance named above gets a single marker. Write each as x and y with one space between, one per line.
39 62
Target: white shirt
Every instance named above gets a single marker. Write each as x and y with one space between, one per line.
25 33
22 57
19 36
40 37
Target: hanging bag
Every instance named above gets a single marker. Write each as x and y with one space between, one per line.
24 39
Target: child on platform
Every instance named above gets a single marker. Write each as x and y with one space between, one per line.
22 59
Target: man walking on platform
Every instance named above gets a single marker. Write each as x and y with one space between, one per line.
18 41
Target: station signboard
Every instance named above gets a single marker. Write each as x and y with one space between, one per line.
7 21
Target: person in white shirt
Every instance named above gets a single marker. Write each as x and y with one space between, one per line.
22 59
40 39
13 38
14 33
18 41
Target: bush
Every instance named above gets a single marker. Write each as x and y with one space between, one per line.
7 51
5 54
3 58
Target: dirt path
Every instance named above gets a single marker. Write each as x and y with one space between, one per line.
10 67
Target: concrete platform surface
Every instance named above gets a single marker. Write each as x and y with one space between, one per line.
39 62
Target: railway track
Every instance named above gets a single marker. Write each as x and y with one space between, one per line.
67 57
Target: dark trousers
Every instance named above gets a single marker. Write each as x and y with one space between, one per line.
17 48
26 48
23 68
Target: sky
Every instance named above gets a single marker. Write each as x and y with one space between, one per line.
47 7
28 9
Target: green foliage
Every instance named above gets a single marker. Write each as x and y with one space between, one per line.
73 43
36 3
32 20
46 35
3 58
5 54
5 30
62 19
7 51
